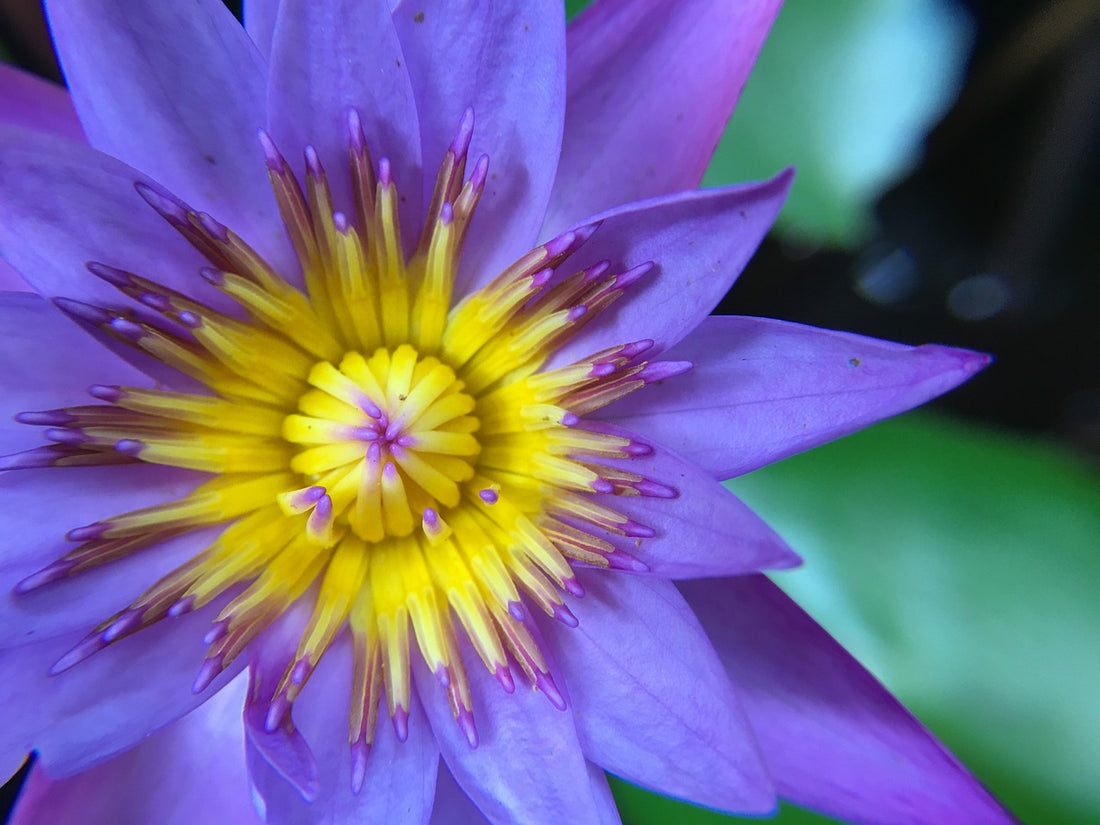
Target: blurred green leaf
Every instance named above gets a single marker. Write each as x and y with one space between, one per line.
845 91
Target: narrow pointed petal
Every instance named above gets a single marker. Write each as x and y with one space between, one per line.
34 103
103 219
651 87
652 701
107 703
327 58
145 782
859 755
762 390
700 241
701 528
457 52
46 363
528 765
259 21
185 98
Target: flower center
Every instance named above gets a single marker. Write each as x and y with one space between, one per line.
388 440
405 468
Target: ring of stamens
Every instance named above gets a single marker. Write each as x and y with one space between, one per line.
400 462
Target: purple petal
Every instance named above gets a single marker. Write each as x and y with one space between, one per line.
399 785
66 204
452 806
47 362
652 701
259 21
762 390
328 57
507 61
651 87
703 531
10 280
528 766
34 103
178 91
107 703
191 771
833 738
700 242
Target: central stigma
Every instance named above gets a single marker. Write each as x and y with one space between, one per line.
404 467
388 441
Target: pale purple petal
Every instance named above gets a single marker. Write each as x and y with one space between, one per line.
652 701
34 103
107 703
47 362
190 771
259 21
327 58
399 784
11 280
507 61
701 528
178 91
528 766
762 390
452 806
833 738
700 242
66 204
651 86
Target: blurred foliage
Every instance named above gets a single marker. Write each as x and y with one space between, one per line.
845 91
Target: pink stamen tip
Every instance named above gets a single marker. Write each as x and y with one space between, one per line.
182 607
83 312
504 676
190 319
570 420
620 560
276 712
272 156
602 485
167 205
70 438
87 647
33 459
596 272
385 176
155 301
127 328
576 313
320 520
517 611
313 163
466 723
340 221
541 278
583 233
300 672
573 586
625 279
370 408
113 276
663 370
47 575
443 676
545 683
400 721
560 245
217 631
393 431
431 518
637 348
480 173
129 446
208 672
106 392
214 227
374 452
407 441
360 750
212 276
88 532
389 472
638 448
564 615
446 214
365 434
655 489
127 621
601 370
488 495
44 418
637 531
461 144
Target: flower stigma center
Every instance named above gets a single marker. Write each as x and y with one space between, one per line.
402 464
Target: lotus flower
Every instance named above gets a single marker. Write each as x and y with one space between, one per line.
431 460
